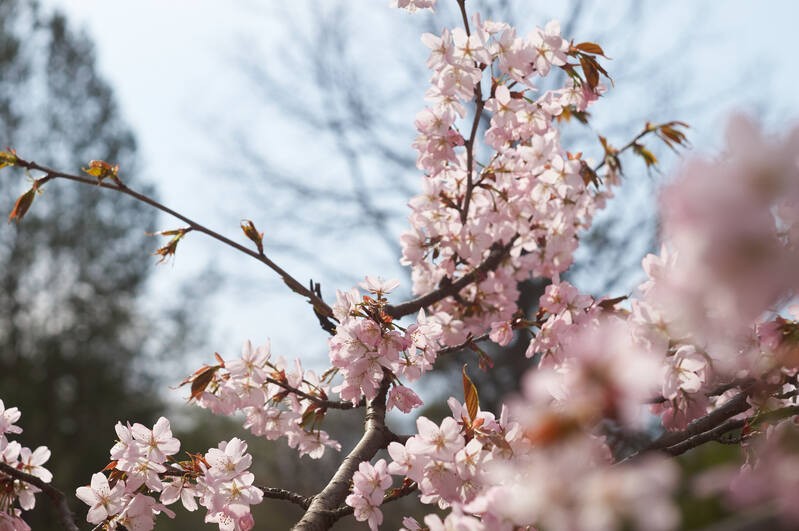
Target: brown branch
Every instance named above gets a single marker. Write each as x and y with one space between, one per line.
394 494
447 288
320 307
466 344
731 425
282 494
469 145
330 404
269 492
716 391
734 406
57 498
321 513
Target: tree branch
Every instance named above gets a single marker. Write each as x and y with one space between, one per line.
330 404
57 498
734 406
715 433
282 494
321 513
320 306
447 287
269 492
394 494
469 144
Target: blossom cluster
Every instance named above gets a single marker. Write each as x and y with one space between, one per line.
530 198
369 484
143 467
12 490
264 390
716 304
368 344
498 474
712 325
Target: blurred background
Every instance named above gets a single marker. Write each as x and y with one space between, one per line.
298 116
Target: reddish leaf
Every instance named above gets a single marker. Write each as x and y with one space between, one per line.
608 304
200 380
471 399
590 71
22 205
590 47
168 250
588 174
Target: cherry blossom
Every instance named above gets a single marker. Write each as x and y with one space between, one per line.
103 500
711 334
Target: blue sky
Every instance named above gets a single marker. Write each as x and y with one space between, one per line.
176 71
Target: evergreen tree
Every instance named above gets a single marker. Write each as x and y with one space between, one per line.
74 271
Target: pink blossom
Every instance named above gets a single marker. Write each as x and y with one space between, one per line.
501 333
378 286
8 416
31 462
369 486
157 443
102 499
412 5
440 442
403 398
10 522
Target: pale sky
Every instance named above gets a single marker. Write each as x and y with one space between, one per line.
172 66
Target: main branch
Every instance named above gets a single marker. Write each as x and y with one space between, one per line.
323 512
447 288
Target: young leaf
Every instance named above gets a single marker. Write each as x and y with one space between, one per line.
590 71
22 205
8 158
470 397
101 169
200 380
256 237
648 156
590 47
168 250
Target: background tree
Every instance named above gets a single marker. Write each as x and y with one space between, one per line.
74 335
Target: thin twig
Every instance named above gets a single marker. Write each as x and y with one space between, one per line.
65 516
320 306
392 495
469 145
330 404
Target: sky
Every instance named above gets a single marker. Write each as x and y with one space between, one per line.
176 69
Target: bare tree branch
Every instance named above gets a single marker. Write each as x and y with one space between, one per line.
320 307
